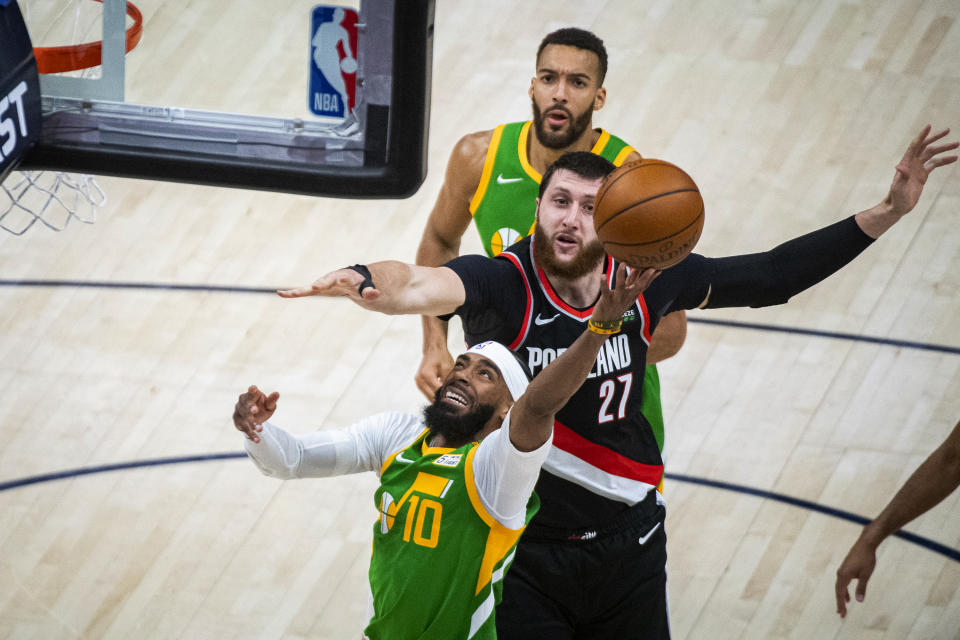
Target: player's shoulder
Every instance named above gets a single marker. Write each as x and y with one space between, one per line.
394 425
475 144
633 156
469 154
391 431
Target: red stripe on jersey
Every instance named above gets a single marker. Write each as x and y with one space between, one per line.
605 459
642 303
528 309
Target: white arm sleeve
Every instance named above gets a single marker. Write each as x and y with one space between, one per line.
506 476
361 447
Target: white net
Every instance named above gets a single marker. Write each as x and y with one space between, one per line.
52 198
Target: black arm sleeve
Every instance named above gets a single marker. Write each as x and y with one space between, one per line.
773 277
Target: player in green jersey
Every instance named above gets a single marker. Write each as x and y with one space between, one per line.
455 485
493 178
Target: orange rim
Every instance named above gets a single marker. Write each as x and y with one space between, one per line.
88 54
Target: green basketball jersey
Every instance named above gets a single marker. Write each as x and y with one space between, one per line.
438 555
505 203
504 209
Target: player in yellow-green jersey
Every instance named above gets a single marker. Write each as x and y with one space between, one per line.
493 178
505 202
456 486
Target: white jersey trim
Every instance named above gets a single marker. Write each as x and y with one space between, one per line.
573 469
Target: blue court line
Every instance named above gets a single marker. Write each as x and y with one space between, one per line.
906 344
926 543
86 471
85 284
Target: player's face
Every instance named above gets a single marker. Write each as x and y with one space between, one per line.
565 242
468 398
565 93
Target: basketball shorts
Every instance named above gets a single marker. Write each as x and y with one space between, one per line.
590 585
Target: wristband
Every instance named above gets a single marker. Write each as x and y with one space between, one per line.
367 277
604 328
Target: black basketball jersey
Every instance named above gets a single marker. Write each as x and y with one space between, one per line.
605 456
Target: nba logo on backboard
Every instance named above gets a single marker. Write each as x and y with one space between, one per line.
333 61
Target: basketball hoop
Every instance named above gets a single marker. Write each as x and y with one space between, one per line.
89 54
54 198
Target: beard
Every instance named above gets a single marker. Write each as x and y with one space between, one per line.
559 139
585 261
455 428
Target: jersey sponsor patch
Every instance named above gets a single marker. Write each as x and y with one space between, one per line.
449 459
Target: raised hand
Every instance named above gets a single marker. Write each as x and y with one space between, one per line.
920 159
253 408
434 368
626 289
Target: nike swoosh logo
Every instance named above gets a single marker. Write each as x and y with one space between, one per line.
502 180
542 321
644 539
402 459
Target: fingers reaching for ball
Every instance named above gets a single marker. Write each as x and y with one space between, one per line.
627 287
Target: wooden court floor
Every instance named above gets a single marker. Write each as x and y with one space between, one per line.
790 115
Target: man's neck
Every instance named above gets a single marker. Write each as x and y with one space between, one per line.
581 292
541 157
437 440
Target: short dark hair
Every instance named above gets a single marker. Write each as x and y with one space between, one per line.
581 39
583 163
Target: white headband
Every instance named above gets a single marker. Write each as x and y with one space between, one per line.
513 374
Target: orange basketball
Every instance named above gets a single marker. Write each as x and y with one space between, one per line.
648 214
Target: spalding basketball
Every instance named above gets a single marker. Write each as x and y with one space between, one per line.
648 214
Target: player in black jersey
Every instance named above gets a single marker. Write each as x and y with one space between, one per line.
592 562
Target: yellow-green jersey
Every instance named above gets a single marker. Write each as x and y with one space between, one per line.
439 556
504 205
504 209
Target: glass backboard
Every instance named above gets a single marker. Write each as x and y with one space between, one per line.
292 96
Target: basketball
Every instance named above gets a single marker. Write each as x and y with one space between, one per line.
348 65
648 214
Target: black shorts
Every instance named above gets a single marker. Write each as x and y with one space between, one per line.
600 585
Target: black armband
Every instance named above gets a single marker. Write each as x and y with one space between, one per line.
367 277
773 277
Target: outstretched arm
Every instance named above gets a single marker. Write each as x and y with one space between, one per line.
773 277
934 480
362 446
393 288
531 419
